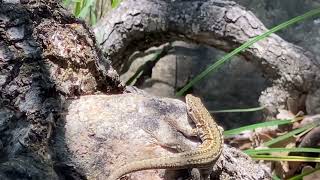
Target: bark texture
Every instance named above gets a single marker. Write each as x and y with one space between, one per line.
46 56
137 24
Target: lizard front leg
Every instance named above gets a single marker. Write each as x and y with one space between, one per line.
188 132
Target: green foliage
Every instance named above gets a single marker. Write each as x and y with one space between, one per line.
238 110
276 122
85 9
66 2
115 3
267 153
290 134
88 9
141 69
274 177
279 150
286 158
245 46
300 176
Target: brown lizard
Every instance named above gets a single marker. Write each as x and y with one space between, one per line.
203 157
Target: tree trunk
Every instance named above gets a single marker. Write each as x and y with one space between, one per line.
46 57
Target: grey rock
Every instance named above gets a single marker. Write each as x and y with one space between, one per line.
101 132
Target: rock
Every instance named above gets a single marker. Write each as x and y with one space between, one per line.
101 132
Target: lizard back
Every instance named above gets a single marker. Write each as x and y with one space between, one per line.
203 156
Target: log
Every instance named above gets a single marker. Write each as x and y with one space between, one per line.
135 25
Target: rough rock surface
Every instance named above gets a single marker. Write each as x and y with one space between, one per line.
101 132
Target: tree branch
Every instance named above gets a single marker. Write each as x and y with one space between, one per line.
136 25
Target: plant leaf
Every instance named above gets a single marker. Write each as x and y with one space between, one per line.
238 110
289 134
272 150
86 9
258 125
285 158
115 3
300 176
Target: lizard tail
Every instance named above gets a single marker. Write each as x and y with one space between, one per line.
154 163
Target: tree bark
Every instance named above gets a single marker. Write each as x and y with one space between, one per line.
137 24
46 57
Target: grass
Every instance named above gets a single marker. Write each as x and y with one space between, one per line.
303 174
86 9
290 134
285 158
239 130
280 150
238 110
267 153
140 70
115 3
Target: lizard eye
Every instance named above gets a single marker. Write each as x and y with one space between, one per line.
189 109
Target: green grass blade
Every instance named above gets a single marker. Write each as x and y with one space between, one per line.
136 76
285 158
78 8
277 150
115 3
66 2
86 9
244 46
289 134
238 110
300 176
274 177
93 16
276 122
140 70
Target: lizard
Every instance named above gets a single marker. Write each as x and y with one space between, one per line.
203 157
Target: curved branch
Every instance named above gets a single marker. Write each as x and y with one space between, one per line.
136 25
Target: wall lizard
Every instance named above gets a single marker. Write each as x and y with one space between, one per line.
203 157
